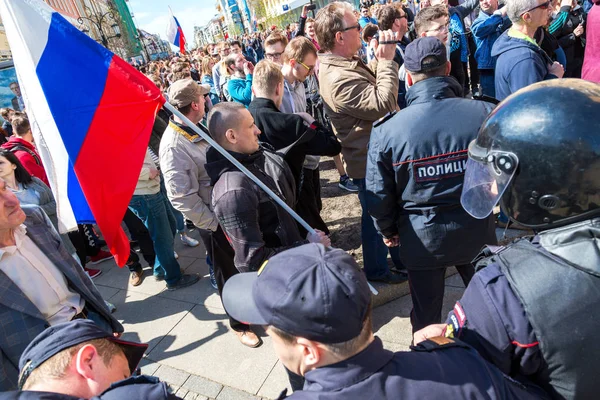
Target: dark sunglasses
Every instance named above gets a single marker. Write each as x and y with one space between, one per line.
357 27
543 6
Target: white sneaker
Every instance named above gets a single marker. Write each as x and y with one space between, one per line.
176 255
188 241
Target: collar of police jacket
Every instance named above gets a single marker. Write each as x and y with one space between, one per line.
437 88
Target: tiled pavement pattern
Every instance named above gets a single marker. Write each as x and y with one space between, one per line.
190 343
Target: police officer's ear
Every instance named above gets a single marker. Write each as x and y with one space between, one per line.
85 361
448 68
312 354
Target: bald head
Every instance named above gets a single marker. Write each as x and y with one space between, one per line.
222 117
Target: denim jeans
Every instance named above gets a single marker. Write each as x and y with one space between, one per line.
374 250
180 223
154 211
488 86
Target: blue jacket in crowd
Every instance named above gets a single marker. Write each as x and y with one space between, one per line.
415 173
214 96
363 21
486 30
519 63
240 90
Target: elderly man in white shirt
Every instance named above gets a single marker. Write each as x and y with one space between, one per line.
47 288
41 284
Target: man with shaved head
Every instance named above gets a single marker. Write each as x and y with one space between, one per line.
257 227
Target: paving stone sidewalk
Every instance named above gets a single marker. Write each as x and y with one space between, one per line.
192 347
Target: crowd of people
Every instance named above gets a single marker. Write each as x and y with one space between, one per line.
396 93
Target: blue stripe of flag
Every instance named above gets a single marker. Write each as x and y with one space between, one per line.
72 72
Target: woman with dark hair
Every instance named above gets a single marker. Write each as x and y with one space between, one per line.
31 190
27 188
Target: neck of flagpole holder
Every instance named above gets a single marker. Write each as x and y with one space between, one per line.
203 132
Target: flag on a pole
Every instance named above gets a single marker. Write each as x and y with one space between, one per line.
91 114
175 33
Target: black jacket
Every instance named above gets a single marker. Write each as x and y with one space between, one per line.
562 28
415 172
451 370
281 130
256 226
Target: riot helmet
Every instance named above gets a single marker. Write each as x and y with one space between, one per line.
538 154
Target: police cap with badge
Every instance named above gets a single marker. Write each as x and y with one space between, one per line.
66 335
308 291
63 336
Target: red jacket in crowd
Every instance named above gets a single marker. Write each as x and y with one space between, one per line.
28 156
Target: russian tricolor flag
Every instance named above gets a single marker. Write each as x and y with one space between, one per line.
175 34
91 115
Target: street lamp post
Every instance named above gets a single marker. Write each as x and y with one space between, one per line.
142 40
99 20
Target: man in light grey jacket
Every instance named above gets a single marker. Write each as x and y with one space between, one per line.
182 159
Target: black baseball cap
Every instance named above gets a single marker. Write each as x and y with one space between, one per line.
62 336
308 291
422 48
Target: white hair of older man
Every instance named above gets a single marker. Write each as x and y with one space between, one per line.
516 8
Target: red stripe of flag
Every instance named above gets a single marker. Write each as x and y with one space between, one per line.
181 40
109 162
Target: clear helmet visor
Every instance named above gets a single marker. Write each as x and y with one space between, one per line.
487 176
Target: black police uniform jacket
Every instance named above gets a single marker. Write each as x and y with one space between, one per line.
134 388
531 310
437 369
415 173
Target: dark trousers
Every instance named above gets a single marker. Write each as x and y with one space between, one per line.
488 86
309 203
473 79
140 234
79 242
456 69
221 254
83 239
427 293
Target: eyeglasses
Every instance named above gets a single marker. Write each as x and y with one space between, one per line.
306 66
273 56
543 6
402 16
357 27
441 28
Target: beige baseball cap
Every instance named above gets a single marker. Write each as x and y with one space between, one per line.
184 91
